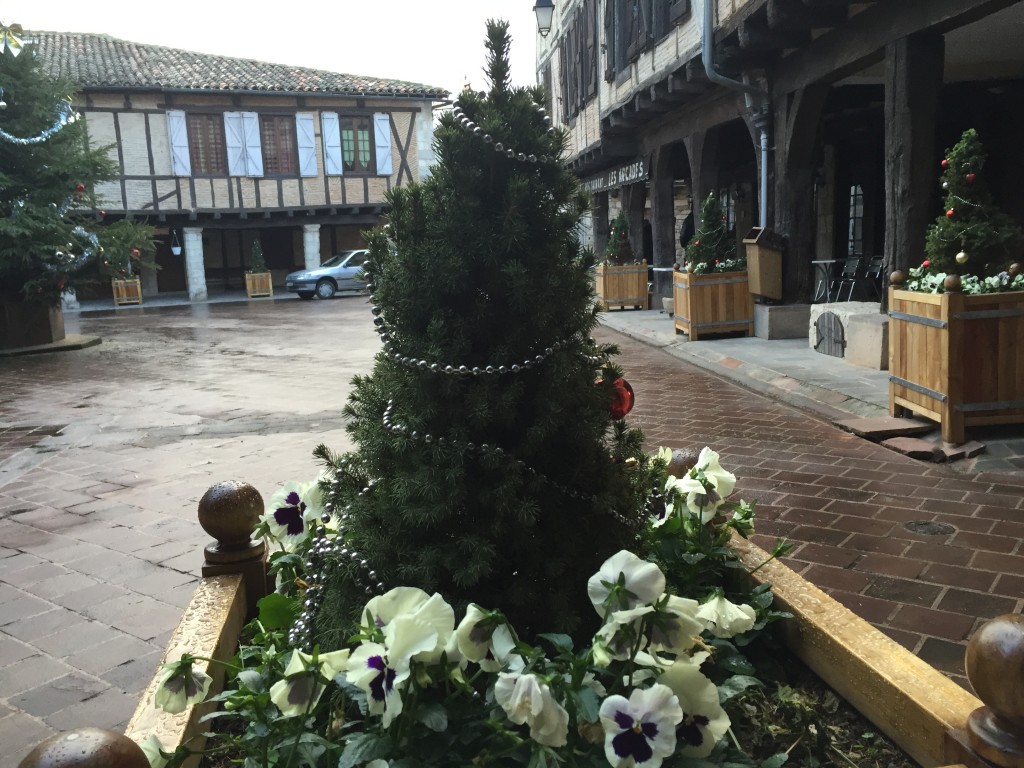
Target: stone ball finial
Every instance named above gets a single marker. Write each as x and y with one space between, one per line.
682 461
995 667
86 748
229 511
952 283
898 277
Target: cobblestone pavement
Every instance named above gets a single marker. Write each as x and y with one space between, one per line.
104 453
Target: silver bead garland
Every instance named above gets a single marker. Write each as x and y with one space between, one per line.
464 122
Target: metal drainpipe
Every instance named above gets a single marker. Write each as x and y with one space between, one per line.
751 91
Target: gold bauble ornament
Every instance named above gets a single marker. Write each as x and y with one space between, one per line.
961 258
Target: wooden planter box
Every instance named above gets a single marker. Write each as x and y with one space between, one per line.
258 284
127 291
957 359
624 286
720 302
29 324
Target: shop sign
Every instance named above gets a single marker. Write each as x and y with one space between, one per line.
629 173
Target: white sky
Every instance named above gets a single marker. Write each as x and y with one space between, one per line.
434 42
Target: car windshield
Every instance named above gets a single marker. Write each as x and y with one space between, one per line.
336 259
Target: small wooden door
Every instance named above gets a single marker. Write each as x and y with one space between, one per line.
831 338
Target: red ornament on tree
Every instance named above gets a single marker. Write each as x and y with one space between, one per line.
102 214
926 263
622 399
945 163
950 213
135 251
970 177
696 242
79 187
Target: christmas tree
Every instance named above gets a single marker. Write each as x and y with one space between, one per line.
619 250
973 237
491 466
47 178
256 261
712 248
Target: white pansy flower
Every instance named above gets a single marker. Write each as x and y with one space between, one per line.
621 634
502 655
151 748
676 625
643 582
704 722
181 686
292 510
640 731
725 619
706 485
303 684
410 601
528 700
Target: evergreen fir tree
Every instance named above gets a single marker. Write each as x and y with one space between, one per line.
257 263
47 178
619 250
490 467
712 245
973 237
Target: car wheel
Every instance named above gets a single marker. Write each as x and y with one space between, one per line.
306 294
325 289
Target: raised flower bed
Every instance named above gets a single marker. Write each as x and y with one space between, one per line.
127 291
715 302
622 285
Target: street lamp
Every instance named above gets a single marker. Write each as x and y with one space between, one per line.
544 10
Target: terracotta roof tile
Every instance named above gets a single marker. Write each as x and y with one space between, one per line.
93 60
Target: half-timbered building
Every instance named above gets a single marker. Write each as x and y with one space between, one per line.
824 120
216 152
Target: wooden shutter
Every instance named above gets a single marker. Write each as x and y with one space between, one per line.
305 140
177 132
382 143
331 137
253 147
235 141
590 65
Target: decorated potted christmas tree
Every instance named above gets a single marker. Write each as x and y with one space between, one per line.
258 279
127 248
956 320
621 280
711 293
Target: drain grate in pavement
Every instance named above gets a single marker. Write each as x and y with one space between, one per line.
929 528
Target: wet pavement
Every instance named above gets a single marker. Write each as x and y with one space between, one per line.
105 451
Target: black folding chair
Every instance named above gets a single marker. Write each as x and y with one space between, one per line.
848 277
873 275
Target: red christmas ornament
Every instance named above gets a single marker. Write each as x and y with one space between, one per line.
102 214
950 213
622 399
696 242
79 187
926 263
970 177
135 251
945 163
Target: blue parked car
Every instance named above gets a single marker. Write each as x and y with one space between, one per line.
341 272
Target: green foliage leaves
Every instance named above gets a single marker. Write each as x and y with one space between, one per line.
712 243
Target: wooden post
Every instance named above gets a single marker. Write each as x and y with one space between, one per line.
663 228
599 212
229 512
86 748
633 199
995 667
913 84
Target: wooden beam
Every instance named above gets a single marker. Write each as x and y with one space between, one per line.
794 15
755 35
861 40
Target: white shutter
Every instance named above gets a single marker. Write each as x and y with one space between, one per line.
305 138
331 137
382 142
177 133
253 147
235 142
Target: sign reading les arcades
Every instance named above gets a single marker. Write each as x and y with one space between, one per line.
616 177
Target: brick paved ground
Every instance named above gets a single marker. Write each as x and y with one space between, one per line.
104 453
851 506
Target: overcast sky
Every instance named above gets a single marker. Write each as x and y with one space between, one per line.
434 42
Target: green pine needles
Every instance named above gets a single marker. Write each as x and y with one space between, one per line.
712 248
972 227
488 466
619 250
257 263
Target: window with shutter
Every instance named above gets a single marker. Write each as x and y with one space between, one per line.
234 140
251 139
277 136
206 145
356 146
609 39
678 11
305 139
590 62
177 135
331 138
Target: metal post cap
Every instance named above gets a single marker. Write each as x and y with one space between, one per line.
995 666
86 748
229 511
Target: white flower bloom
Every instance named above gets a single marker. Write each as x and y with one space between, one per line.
640 731
526 699
302 686
706 486
181 686
292 509
502 655
643 581
378 763
676 625
381 670
472 636
621 633
410 601
151 748
704 721
726 619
